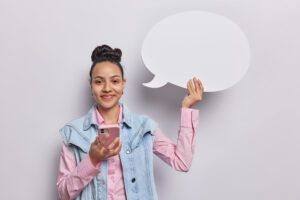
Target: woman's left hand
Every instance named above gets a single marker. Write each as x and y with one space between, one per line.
194 95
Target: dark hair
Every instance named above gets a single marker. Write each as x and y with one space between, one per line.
106 53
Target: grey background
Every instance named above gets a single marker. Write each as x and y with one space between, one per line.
247 144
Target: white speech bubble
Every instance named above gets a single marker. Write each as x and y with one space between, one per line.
196 44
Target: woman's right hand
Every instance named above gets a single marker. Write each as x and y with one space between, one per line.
98 152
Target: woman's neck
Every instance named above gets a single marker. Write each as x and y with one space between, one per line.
110 116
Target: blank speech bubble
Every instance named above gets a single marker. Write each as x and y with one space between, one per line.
196 44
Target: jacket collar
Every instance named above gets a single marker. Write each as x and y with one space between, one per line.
90 117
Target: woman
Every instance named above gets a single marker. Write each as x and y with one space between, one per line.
89 171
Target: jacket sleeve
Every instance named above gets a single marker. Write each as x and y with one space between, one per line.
72 178
178 156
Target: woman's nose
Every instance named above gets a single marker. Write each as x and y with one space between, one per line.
107 87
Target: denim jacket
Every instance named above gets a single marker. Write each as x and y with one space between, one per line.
137 135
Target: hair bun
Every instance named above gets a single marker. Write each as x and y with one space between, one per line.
105 52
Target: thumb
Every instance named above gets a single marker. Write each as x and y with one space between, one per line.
96 141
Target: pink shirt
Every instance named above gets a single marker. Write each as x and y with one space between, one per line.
72 178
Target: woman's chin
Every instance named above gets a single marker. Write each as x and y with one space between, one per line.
107 104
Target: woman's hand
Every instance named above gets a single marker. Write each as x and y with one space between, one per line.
98 152
194 95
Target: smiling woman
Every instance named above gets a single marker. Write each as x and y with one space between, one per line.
122 169
107 85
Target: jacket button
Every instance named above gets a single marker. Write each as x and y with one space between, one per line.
133 180
128 151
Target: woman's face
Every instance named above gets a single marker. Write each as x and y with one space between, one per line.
107 84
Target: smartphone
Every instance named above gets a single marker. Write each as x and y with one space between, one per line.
112 130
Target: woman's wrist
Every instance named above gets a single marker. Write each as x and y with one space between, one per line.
93 161
185 106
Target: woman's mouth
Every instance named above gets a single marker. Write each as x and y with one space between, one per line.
107 97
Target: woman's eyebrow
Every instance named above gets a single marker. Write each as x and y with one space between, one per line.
114 76
110 77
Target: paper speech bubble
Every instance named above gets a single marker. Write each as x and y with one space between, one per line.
196 44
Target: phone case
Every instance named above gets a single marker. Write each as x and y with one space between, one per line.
113 131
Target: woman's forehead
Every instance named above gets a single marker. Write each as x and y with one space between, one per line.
106 69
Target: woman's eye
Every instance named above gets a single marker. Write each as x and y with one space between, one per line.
97 82
115 81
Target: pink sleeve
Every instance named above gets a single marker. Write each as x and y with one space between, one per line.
72 178
178 156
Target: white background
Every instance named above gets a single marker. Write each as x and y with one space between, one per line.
247 144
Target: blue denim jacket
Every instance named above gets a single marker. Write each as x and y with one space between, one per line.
137 135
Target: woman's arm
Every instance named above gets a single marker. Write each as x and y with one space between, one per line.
72 178
178 156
